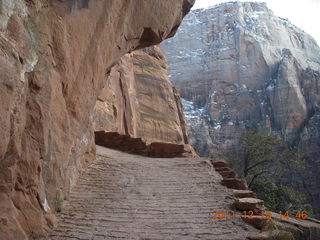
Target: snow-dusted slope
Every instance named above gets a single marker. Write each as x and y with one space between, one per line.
240 67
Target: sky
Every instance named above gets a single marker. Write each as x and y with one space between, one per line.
305 14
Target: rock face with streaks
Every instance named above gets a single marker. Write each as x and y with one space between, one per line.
139 100
238 66
139 110
54 58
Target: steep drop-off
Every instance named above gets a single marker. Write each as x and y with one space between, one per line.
238 66
54 58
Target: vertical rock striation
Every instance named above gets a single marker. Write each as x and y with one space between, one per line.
54 56
239 66
139 110
139 100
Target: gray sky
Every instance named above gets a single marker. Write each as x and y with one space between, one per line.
305 14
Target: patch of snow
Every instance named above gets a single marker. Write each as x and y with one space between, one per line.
193 114
213 94
256 14
84 140
45 205
230 123
271 85
29 66
217 126
224 49
270 88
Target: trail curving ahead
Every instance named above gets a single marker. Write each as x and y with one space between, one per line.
123 196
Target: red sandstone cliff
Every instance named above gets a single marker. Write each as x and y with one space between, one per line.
139 108
54 59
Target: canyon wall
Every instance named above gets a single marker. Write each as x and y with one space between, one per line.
238 66
54 60
139 100
139 107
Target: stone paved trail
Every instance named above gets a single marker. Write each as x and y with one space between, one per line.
124 196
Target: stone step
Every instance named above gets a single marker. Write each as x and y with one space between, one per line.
219 163
222 169
228 174
244 194
235 183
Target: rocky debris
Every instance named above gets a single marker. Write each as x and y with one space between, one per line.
250 69
235 183
249 204
133 197
54 59
244 194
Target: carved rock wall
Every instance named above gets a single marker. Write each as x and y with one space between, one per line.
54 58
